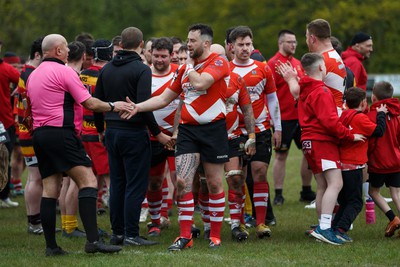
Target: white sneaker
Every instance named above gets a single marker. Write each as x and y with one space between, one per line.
164 222
312 205
7 203
143 214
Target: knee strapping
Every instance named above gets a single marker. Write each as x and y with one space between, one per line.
233 173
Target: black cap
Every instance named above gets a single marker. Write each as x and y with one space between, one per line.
360 37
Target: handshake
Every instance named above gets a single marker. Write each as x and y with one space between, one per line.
126 109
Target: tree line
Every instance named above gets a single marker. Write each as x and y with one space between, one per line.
24 20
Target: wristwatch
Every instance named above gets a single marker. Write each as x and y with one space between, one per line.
112 106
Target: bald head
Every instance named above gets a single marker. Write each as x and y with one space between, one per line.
217 48
55 46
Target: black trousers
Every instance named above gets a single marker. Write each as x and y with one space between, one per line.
349 199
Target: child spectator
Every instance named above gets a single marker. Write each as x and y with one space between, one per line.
353 157
384 155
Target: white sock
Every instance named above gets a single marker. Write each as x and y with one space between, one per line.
326 221
365 189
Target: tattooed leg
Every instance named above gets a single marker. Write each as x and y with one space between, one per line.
186 166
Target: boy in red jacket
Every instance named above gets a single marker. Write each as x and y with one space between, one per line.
384 154
321 132
353 157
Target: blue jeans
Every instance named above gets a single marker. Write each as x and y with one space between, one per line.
129 156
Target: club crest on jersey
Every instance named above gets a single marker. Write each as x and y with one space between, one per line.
219 63
253 72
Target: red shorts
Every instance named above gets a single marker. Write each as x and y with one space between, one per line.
159 169
171 164
321 155
98 153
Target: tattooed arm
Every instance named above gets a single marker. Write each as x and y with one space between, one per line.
249 122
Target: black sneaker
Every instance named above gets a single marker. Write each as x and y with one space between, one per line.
307 196
101 211
278 200
238 234
99 246
103 233
181 243
75 233
195 232
117 240
138 241
50 252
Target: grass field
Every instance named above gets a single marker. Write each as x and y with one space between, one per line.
288 245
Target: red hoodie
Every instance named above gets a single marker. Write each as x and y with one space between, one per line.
357 122
384 152
353 60
318 116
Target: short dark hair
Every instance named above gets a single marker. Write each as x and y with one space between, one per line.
240 31
308 60
337 45
176 40
354 96
281 33
203 28
131 38
76 51
227 37
320 28
382 90
116 40
162 43
87 39
183 48
36 47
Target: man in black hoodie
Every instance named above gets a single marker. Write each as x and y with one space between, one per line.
127 141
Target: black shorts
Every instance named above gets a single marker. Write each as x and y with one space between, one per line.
210 140
263 147
290 131
159 154
389 179
58 150
236 147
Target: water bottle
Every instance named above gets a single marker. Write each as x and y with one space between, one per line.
370 211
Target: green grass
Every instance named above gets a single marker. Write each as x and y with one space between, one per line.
288 245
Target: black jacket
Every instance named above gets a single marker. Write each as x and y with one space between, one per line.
125 75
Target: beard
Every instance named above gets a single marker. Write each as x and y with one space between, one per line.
160 67
197 53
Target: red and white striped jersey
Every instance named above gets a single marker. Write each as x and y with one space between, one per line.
164 116
236 95
203 107
259 82
335 75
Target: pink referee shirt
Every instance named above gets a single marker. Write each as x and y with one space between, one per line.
56 94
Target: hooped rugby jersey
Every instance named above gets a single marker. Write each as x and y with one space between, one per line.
89 78
206 106
24 135
164 116
259 82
